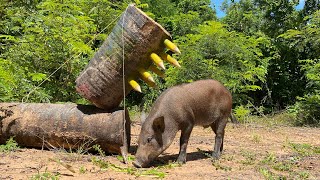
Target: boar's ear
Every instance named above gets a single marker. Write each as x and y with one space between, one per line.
158 124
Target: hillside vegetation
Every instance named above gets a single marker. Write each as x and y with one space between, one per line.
266 52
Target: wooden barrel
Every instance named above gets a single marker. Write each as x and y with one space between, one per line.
135 36
68 126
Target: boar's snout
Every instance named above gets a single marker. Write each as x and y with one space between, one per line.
137 164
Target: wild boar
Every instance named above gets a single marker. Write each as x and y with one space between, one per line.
203 103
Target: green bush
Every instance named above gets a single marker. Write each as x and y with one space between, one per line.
10 146
242 113
307 110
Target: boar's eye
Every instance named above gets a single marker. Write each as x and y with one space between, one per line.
149 139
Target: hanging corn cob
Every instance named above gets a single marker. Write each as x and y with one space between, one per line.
146 75
170 59
157 71
157 60
134 85
171 46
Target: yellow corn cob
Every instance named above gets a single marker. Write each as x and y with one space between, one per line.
171 46
157 60
145 74
150 83
170 59
134 85
158 72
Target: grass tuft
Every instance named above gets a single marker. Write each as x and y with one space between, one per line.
153 172
10 146
250 157
303 149
46 175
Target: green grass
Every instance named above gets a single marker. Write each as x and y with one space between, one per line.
277 164
99 150
62 163
217 163
170 165
256 138
135 114
250 157
219 166
82 170
280 119
129 158
45 176
303 175
269 175
151 172
104 165
10 146
154 172
270 158
283 166
266 173
272 167
304 149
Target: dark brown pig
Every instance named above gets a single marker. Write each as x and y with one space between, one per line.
204 103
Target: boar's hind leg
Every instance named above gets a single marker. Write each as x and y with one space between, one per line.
218 128
185 135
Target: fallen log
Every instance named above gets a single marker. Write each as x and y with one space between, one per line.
135 37
68 126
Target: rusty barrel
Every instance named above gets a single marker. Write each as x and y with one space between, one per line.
68 126
134 38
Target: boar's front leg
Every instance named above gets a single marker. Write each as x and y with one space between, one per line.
218 128
185 135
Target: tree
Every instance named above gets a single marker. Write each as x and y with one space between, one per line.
306 43
230 57
179 17
310 6
272 18
279 16
243 16
51 42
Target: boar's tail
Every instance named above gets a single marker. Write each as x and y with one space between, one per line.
233 118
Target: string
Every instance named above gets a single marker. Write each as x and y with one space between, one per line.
124 82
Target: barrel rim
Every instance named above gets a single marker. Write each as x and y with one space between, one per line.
152 20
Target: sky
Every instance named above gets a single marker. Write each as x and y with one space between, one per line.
217 5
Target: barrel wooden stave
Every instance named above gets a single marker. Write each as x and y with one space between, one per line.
139 35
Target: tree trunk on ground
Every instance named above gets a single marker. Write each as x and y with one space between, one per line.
68 126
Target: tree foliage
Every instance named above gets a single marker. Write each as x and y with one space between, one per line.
230 57
266 52
52 41
306 42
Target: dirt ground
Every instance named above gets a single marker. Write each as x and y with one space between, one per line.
251 151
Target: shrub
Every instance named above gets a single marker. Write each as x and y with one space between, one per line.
307 110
